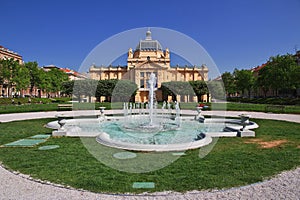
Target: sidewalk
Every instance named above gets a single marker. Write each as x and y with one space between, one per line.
52 114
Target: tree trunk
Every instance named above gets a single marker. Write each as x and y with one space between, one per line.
198 98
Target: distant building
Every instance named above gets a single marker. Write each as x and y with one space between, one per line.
6 91
8 54
72 74
149 57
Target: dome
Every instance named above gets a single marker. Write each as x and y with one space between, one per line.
148 44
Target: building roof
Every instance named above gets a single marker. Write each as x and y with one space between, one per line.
2 48
50 67
258 68
71 72
148 44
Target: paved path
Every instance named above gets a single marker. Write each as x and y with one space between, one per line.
52 114
17 186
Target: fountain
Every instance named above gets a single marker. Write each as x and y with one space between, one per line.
149 122
153 129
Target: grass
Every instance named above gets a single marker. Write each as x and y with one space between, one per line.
4 109
231 163
233 106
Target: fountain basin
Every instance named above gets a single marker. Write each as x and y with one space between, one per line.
113 132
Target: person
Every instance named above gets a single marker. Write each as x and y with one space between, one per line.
203 106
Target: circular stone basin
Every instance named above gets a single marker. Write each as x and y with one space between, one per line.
105 139
124 155
48 147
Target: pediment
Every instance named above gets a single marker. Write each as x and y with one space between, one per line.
149 65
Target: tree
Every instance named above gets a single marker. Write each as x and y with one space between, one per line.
281 74
166 91
295 77
45 81
281 71
263 80
105 88
86 87
200 88
57 77
175 88
8 70
124 91
35 74
21 78
67 88
229 83
244 80
216 89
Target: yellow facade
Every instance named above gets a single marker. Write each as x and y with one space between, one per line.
147 58
8 54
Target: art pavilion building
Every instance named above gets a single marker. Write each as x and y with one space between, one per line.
149 57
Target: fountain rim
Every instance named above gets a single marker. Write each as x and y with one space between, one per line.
104 139
93 119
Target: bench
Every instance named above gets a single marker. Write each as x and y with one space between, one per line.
274 108
65 106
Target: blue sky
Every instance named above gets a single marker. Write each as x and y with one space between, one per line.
236 33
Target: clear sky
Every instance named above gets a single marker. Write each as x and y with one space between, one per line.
236 33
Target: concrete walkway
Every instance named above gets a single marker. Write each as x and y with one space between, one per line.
18 186
52 114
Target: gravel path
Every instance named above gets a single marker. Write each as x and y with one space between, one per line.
17 186
284 186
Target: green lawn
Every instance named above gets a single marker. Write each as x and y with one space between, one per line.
295 109
4 109
231 163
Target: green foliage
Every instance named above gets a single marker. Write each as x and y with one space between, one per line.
56 78
35 74
86 87
200 88
280 73
8 73
21 78
244 80
229 83
124 91
174 88
67 88
106 87
216 89
30 75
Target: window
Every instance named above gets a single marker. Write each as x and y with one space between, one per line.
142 84
144 78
